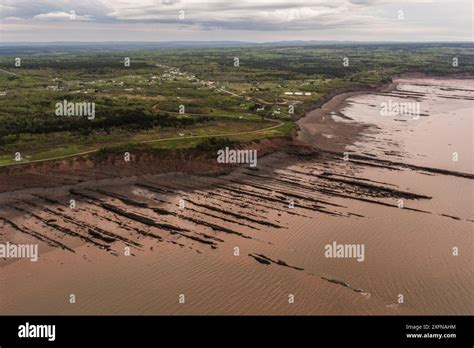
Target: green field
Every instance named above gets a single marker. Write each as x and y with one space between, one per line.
143 103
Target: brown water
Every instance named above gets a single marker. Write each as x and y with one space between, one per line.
190 251
445 124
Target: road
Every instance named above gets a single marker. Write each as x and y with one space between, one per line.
280 123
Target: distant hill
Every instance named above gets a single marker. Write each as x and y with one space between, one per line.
25 47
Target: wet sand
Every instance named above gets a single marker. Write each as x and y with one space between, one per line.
190 250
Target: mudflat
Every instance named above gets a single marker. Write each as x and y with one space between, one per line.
253 241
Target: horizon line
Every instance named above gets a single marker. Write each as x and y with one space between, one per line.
232 41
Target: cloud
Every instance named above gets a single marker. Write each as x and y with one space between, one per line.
44 9
336 18
62 16
242 14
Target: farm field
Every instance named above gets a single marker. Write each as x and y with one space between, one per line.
164 94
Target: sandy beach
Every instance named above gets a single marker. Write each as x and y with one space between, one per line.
253 240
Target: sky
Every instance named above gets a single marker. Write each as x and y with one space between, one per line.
235 20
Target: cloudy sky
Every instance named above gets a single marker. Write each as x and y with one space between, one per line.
243 20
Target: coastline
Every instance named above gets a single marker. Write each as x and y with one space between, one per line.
314 130
50 174
334 201
317 128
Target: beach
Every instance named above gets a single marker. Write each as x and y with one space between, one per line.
253 240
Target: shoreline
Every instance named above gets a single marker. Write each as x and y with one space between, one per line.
319 129
343 134
334 202
72 171
313 131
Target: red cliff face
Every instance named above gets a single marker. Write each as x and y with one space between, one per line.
113 165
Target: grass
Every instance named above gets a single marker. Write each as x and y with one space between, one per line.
156 138
140 103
